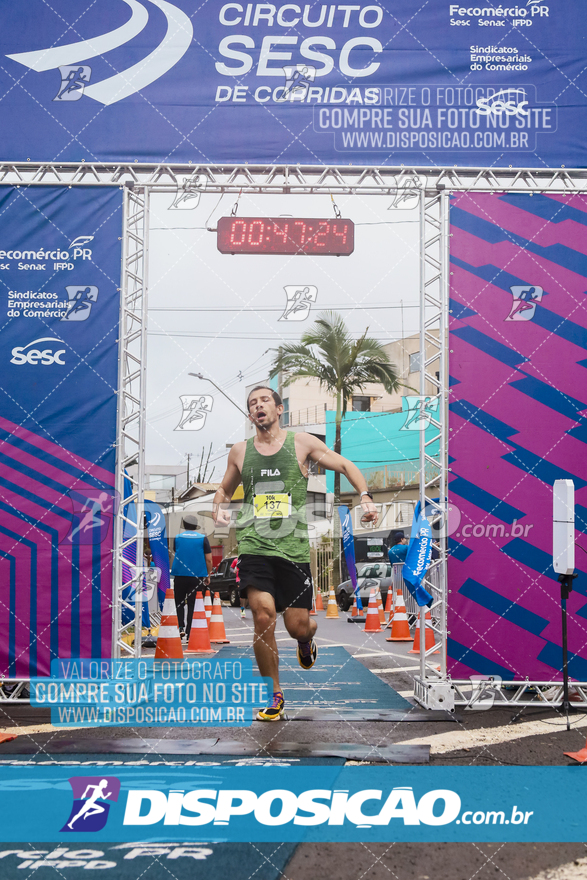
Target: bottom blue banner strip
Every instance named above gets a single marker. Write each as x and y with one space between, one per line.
294 804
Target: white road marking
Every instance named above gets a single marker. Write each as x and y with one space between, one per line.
467 739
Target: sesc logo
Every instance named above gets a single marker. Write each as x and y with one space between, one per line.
46 357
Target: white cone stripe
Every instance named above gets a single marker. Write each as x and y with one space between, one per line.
168 632
168 608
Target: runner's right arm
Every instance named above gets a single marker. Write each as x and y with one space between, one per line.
227 488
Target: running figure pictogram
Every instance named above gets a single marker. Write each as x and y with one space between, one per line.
91 808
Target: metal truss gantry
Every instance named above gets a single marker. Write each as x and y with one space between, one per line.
131 427
433 687
383 180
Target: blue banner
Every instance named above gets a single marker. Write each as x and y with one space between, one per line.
159 548
60 252
348 543
363 804
376 84
418 557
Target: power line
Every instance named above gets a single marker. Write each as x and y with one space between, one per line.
271 309
220 335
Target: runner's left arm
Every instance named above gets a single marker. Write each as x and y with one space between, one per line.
332 461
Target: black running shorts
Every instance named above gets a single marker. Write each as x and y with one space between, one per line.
290 583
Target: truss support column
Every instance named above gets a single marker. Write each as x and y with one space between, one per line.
431 687
131 425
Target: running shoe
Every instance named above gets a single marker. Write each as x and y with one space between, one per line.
307 652
275 710
243 613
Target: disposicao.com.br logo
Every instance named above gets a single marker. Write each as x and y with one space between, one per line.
279 807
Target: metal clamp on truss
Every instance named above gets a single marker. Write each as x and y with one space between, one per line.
434 695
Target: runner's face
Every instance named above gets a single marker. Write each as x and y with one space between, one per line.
263 411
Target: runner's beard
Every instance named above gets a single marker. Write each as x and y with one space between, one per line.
267 425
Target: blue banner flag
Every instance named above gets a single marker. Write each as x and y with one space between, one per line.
129 529
418 557
348 544
159 548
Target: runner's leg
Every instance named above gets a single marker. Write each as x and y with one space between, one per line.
262 605
299 624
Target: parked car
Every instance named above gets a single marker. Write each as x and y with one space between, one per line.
223 581
369 575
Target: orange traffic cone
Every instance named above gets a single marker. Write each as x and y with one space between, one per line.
398 594
428 639
199 642
313 608
208 606
580 756
355 611
168 639
332 610
400 628
389 603
319 602
372 623
217 632
380 607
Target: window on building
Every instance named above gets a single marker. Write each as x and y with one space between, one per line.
361 404
162 481
316 506
285 416
415 362
314 468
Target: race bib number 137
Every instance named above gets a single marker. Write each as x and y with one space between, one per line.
268 505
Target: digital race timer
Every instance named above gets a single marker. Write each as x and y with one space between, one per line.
286 235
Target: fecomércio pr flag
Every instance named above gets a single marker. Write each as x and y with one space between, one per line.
159 548
418 557
348 544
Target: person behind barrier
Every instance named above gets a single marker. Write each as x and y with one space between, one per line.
272 531
244 600
191 568
399 548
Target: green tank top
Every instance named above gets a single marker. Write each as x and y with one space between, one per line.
272 520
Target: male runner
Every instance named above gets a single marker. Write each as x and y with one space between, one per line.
272 532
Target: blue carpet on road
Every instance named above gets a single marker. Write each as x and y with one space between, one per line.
336 681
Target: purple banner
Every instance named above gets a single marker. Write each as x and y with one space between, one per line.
518 408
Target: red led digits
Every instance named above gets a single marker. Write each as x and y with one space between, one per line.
242 231
277 235
255 237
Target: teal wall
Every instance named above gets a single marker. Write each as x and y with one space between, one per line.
373 441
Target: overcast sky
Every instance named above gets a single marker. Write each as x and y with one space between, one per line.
218 314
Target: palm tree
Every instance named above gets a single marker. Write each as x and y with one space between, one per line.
328 353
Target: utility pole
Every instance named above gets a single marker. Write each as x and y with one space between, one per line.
189 455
